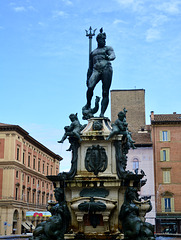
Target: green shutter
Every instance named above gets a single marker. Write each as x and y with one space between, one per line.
161 155
168 135
163 204
161 136
172 205
168 154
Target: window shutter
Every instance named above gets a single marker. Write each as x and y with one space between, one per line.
172 205
163 204
161 136
168 135
164 177
168 154
161 155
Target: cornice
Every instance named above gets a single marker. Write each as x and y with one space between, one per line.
165 123
25 134
15 164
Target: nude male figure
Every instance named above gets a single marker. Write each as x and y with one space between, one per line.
100 69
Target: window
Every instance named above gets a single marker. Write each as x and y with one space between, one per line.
38 165
34 163
167 202
47 169
43 198
47 185
29 159
51 170
23 157
17 156
38 183
165 154
33 200
22 176
38 198
164 136
135 163
33 181
16 193
22 197
28 179
28 196
46 198
50 186
17 173
43 168
42 184
166 176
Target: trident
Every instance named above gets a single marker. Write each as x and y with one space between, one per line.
90 35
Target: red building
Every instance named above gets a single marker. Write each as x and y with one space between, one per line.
166 137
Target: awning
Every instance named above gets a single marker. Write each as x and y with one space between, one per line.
38 214
28 225
25 225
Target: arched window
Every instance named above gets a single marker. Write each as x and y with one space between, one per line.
135 163
15 221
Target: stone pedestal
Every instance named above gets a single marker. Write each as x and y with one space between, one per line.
93 188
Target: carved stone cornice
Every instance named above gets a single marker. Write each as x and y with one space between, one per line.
22 167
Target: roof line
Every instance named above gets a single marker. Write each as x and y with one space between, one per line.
25 134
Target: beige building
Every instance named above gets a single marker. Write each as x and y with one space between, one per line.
24 165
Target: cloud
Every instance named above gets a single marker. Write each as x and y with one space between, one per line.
158 20
152 34
32 8
68 2
135 5
117 21
170 7
59 14
41 24
19 9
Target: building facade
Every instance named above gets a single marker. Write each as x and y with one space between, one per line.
166 136
24 165
134 102
140 158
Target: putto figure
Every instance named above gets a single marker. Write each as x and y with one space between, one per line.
73 130
100 69
120 126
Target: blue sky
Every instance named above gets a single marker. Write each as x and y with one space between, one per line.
44 59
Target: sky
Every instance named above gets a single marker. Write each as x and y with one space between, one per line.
44 59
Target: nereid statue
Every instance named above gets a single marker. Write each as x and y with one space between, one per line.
133 226
57 225
100 69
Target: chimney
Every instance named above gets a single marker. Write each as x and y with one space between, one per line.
152 115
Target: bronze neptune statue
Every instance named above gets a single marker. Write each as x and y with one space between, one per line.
100 69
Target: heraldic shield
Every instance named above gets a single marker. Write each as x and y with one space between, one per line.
96 159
